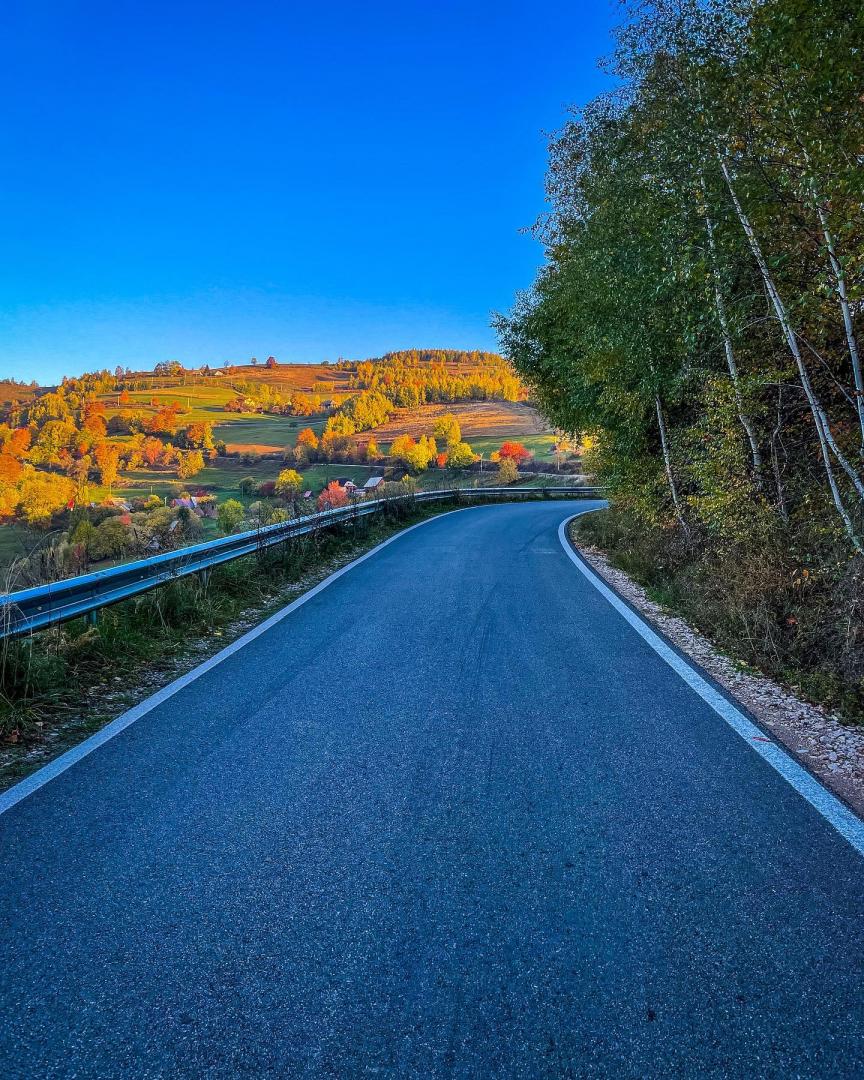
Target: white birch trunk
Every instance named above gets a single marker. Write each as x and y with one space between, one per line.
827 443
667 462
842 296
731 364
775 460
840 286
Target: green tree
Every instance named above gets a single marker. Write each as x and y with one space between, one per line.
230 513
447 428
460 456
110 540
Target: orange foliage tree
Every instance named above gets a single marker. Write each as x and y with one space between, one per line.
18 442
332 496
107 458
308 438
515 452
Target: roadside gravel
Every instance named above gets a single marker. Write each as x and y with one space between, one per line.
830 750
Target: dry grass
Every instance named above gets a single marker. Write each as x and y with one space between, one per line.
478 419
12 391
296 376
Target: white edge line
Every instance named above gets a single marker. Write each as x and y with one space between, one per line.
47 773
846 823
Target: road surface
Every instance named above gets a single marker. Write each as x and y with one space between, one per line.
451 817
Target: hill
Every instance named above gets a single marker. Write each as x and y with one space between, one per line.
13 390
99 459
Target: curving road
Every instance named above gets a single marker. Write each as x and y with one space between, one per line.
452 816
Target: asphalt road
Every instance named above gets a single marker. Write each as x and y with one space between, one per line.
452 817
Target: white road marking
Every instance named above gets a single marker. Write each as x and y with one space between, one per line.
829 806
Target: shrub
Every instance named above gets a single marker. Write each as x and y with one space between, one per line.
332 496
110 540
461 456
515 452
507 471
190 464
230 514
447 428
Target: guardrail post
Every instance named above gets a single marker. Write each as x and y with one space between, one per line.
93 617
204 577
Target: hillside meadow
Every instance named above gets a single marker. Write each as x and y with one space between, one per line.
91 471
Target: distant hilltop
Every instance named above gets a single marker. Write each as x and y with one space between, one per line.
298 374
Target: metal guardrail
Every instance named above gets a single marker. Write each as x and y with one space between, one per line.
48 605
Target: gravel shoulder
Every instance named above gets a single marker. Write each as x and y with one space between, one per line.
827 748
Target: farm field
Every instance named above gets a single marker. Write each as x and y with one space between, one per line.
242 432
497 420
252 433
222 478
485 424
255 444
15 391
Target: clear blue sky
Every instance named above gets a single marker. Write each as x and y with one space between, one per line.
215 181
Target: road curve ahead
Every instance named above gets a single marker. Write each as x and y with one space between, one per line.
451 817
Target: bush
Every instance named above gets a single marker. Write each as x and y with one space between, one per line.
332 496
230 514
189 524
515 452
460 456
507 471
190 464
84 533
109 540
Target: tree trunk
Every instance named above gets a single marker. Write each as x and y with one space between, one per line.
775 459
731 364
827 443
842 296
840 285
667 462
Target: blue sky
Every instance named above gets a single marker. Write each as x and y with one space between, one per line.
216 181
